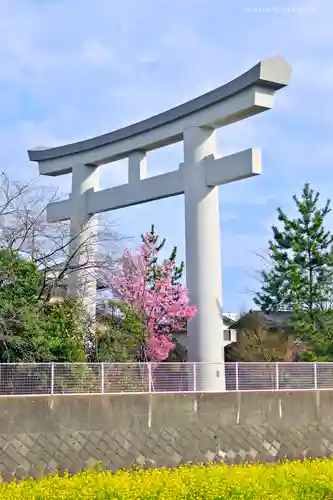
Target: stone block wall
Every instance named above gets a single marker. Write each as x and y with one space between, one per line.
43 434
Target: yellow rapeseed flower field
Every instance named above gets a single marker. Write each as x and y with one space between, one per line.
311 479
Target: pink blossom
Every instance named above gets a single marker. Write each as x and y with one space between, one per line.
158 347
163 307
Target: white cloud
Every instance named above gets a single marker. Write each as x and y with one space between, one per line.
97 54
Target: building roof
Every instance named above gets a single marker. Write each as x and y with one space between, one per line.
274 320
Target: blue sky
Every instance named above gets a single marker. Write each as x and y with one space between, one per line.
74 69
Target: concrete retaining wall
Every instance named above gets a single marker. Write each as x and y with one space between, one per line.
42 434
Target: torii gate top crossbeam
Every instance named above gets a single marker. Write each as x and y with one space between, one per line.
249 94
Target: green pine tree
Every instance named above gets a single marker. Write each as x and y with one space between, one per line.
300 278
153 240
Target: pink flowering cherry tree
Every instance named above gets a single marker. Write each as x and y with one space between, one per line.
163 306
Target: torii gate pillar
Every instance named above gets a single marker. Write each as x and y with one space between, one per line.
82 281
203 259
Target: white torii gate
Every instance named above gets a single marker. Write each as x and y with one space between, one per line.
198 178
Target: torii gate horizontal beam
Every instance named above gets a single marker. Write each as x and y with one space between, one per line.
217 172
249 94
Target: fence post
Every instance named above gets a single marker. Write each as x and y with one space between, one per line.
315 375
52 378
194 377
237 376
102 378
277 376
150 380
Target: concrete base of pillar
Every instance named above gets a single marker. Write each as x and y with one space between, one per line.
210 377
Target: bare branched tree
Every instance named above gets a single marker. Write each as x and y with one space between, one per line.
24 228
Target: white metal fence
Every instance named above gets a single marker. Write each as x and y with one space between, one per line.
118 378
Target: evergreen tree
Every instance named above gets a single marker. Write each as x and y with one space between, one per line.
30 329
300 278
153 241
